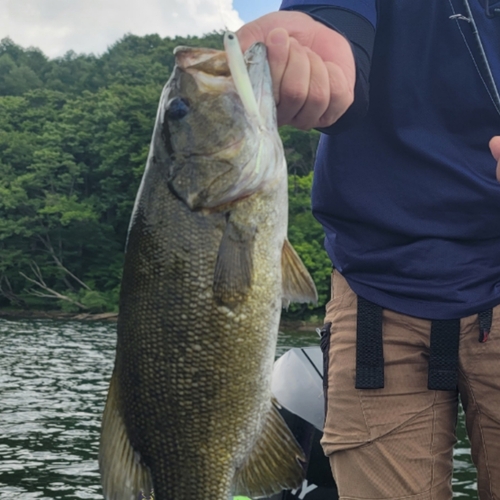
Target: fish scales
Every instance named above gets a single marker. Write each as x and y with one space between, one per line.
169 334
202 290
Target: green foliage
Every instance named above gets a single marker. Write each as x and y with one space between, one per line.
20 70
95 301
132 61
69 171
306 236
300 149
74 138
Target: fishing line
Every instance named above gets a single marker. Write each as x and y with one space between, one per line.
482 65
484 59
222 15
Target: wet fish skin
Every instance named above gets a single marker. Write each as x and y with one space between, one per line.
189 409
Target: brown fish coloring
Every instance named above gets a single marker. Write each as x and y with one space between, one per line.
207 269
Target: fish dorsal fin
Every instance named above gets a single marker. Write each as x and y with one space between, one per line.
298 286
274 463
234 266
123 475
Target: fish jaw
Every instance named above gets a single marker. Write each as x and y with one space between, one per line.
219 153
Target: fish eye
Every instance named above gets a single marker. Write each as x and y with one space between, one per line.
177 108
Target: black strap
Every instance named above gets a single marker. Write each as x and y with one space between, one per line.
369 349
485 321
443 360
325 349
444 346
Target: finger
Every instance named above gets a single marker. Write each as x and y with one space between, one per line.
259 29
250 33
278 46
318 96
495 147
341 95
495 151
294 83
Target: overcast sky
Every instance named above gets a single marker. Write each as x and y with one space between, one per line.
90 26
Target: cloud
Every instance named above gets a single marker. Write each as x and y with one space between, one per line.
90 26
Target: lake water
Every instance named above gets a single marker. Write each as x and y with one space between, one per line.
53 383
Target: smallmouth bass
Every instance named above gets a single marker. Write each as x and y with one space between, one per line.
207 269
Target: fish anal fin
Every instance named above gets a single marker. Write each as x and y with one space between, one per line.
123 475
274 463
234 266
298 286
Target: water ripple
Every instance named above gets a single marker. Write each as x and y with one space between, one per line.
53 384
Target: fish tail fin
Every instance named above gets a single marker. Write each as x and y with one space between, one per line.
298 286
274 463
123 475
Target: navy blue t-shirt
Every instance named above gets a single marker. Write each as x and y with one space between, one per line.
408 195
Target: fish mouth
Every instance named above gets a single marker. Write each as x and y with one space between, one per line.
210 61
208 67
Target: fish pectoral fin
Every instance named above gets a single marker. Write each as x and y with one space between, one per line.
234 266
298 286
123 475
274 463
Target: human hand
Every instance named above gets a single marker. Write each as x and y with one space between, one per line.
312 67
495 151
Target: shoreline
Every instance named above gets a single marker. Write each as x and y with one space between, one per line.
56 315
285 324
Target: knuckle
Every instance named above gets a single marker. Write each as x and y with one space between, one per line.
294 93
341 99
302 124
327 119
318 96
339 90
277 56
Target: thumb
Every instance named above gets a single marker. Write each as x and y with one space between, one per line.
249 34
495 151
495 147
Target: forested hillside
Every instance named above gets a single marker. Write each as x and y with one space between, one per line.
74 136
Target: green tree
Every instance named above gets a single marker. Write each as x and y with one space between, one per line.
300 149
306 235
20 70
74 138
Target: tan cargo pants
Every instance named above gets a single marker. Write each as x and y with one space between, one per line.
397 442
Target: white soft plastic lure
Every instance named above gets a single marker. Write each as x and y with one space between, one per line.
239 72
